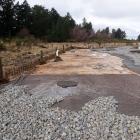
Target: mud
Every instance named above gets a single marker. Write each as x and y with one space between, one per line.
66 84
130 59
97 73
125 88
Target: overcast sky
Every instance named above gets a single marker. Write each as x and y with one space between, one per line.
113 13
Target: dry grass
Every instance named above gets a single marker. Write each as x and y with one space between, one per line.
16 51
19 49
12 53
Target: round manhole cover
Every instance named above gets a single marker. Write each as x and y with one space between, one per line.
66 84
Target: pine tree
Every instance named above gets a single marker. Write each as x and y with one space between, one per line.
7 18
23 15
39 21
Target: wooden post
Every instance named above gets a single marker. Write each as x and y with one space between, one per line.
57 57
41 55
63 49
1 70
42 61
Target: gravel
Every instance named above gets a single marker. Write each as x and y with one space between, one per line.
26 116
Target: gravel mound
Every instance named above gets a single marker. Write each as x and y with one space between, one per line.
25 116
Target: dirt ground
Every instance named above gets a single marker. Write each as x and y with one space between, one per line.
84 62
97 74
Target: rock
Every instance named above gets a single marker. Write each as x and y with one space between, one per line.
31 117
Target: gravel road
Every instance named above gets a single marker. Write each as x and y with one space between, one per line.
27 116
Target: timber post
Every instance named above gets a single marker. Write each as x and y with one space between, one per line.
42 61
63 49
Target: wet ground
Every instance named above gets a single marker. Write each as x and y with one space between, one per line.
130 56
104 72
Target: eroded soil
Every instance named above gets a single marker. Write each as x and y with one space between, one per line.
84 62
97 74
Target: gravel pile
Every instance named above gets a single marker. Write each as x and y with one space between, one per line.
24 116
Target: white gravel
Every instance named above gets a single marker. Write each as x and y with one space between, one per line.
26 116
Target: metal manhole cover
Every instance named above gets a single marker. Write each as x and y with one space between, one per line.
66 84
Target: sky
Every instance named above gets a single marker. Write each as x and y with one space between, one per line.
102 13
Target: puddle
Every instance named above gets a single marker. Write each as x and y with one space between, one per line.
66 84
135 51
130 56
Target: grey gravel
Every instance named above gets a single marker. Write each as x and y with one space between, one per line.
26 116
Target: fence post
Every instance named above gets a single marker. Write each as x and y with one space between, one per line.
1 70
63 48
52 47
42 61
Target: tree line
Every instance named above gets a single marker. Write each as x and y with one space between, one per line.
23 20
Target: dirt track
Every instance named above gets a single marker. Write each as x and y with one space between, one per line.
84 62
97 74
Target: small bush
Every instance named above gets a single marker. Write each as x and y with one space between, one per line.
19 42
2 46
41 46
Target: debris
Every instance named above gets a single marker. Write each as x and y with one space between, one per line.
57 59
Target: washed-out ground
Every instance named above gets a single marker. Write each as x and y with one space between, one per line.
90 95
97 72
